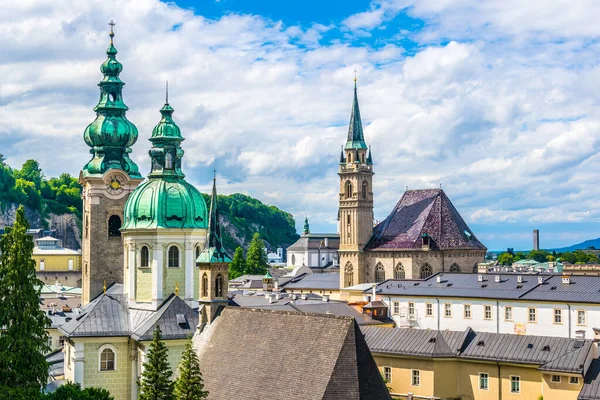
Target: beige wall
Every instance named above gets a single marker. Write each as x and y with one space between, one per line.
449 378
55 262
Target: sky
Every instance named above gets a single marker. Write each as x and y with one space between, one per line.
497 101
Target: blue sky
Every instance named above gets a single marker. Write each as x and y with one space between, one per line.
496 100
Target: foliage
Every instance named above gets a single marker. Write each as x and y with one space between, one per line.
23 339
155 382
573 257
249 215
73 391
189 385
238 264
538 255
29 186
256 259
505 258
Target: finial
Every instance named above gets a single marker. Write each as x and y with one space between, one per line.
354 78
112 33
406 187
176 288
104 288
440 185
167 93
214 174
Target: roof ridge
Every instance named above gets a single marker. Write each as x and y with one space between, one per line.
271 311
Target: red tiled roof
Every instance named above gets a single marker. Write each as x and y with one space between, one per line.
419 212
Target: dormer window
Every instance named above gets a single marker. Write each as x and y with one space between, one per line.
426 240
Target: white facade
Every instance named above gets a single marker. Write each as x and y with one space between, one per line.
557 319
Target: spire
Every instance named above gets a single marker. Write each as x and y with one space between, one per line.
214 251
306 230
356 138
342 158
111 135
370 157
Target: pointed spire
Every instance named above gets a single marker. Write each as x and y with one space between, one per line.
370 157
214 251
167 93
306 230
342 157
356 138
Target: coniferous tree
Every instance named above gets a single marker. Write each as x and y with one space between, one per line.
256 259
23 337
156 383
189 385
238 264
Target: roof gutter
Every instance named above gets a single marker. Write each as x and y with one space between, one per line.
569 307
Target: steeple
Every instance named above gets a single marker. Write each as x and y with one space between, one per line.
306 230
214 252
111 135
166 152
370 157
356 138
342 158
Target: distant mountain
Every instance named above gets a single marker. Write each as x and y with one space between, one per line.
595 243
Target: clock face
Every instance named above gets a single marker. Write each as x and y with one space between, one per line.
115 184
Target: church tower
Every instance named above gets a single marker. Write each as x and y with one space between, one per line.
107 180
214 266
355 201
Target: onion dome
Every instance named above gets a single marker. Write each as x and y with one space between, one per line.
111 134
166 200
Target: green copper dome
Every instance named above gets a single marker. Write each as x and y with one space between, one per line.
166 200
111 134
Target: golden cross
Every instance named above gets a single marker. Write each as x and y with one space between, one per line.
112 33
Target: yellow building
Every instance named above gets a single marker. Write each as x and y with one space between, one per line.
470 365
54 263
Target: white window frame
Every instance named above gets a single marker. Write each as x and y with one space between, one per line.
70 264
584 317
529 309
429 309
518 391
447 307
396 309
508 309
467 309
559 315
555 380
411 310
571 378
387 374
486 308
487 381
415 373
42 264
100 350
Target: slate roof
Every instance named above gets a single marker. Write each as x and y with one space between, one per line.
581 289
337 360
312 241
419 212
548 353
325 281
106 315
166 317
591 382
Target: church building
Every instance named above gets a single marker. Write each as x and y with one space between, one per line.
423 234
152 252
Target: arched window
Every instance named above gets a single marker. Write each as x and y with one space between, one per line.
379 273
168 161
144 257
348 275
293 259
219 286
114 226
348 189
173 257
454 268
198 250
106 358
475 268
204 285
426 271
364 189
399 272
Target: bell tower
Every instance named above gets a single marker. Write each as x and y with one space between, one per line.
107 180
213 264
355 201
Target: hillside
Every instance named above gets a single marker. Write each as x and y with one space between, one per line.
591 243
56 203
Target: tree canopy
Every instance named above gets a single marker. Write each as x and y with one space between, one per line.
256 259
189 385
574 257
155 382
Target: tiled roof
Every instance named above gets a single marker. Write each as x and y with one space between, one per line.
591 383
580 289
548 353
419 212
337 361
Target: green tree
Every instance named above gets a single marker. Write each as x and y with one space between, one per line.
238 264
505 258
32 172
538 255
189 385
23 337
156 383
73 391
568 256
256 259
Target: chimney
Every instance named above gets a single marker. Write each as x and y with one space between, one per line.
519 279
270 299
374 292
540 279
479 278
326 242
438 278
497 279
566 280
325 298
277 296
304 297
